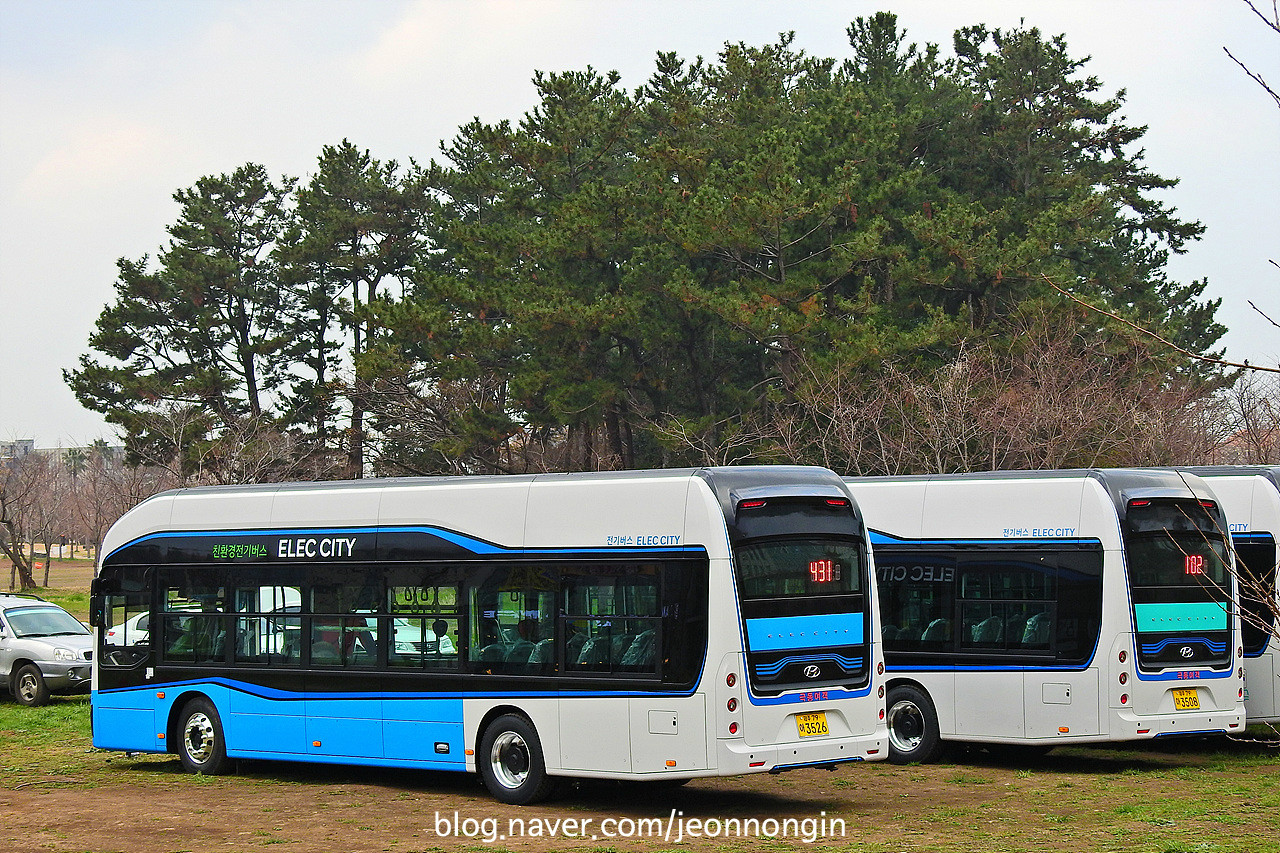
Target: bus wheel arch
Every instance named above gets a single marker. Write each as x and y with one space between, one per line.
172 727
197 736
510 759
912 717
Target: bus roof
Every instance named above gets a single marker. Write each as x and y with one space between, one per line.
1078 502
497 508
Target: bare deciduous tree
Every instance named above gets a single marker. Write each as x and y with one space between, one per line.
20 483
1062 396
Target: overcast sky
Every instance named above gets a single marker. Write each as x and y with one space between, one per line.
108 107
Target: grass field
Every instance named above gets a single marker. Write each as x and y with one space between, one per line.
1173 797
57 793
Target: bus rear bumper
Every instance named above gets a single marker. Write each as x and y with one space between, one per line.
1130 726
734 757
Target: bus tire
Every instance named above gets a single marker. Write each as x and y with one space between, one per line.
29 688
511 762
201 745
914 736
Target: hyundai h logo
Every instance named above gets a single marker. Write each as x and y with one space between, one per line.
1187 652
812 671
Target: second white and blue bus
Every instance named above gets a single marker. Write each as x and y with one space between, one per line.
1250 496
1039 608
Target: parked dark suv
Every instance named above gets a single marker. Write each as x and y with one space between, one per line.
43 649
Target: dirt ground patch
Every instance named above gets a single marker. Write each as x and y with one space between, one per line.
1206 796
1190 798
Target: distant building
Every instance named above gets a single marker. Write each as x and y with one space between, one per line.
17 449
112 454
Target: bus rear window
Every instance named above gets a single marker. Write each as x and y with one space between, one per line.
1176 559
798 567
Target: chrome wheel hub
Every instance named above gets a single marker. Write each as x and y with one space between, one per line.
906 727
509 759
198 739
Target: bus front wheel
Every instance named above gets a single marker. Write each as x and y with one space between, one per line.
201 746
511 762
913 726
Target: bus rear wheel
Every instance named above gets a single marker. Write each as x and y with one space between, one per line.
201 746
511 762
914 736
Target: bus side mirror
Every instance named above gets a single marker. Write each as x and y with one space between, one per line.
95 604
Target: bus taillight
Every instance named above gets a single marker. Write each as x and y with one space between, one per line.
733 704
731 679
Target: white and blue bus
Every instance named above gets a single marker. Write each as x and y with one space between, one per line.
1250 498
647 625
1039 608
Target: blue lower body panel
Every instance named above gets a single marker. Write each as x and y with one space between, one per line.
398 731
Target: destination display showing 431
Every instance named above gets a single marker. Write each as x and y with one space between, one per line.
825 570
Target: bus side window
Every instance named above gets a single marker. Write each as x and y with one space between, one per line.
268 624
343 622
917 592
423 605
125 635
1008 601
193 628
612 621
512 613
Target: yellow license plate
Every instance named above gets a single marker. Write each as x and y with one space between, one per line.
812 725
1186 699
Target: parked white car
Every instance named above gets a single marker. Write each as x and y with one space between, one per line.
44 650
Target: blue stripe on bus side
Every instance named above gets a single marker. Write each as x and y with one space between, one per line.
475 546
879 537
1197 674
781 633
1205 616
134 695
